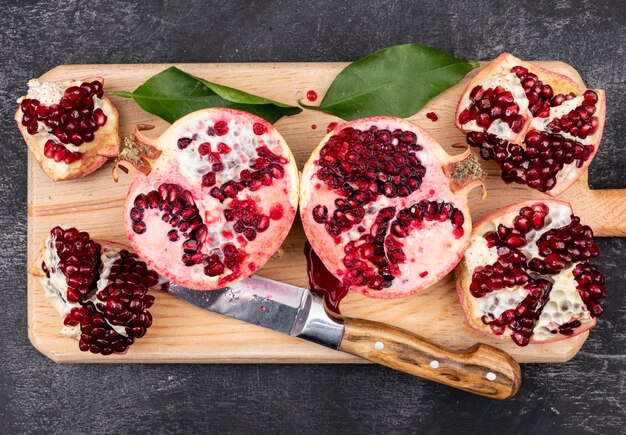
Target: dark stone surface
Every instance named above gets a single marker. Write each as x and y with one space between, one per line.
586 395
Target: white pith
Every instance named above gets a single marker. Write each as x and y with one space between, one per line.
564 303
418 246
186 168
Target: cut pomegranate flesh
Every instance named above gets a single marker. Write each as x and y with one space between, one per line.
542 128
99 287
216 201
375 197
526 274
70 126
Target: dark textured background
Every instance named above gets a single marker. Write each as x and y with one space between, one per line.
585 395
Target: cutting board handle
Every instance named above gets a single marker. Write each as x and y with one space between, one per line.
481 369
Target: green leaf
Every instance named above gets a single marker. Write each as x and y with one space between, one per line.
172 94
395 81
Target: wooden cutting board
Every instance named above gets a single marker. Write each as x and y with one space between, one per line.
182 333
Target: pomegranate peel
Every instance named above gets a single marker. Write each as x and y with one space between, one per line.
376 194
526 275
212 198
70 126
541 127
99 287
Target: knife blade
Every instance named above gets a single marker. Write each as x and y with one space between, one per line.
285 308
298 312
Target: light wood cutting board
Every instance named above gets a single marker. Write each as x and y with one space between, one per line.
182 333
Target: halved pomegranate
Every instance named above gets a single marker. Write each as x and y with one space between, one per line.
385 207
99 287
70 126
526 275
541 127
211 199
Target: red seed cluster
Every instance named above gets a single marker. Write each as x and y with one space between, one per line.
97 336
79 259
538 163
590 287
73 120
522 319
266 168
59 153
580 121
361 165
559 247
381 247
177 207
123 302
247 217
562 246
488 105
539 95
510 268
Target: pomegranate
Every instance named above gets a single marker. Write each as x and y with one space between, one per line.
70 126
211 199
385 207
526 275
542 128
99 287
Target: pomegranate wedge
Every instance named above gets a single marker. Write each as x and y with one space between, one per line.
70 126
542 128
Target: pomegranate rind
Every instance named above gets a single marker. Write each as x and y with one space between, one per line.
463 278
410 282
259 251
106 143
561 84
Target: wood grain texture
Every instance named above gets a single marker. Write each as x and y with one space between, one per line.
182 333
481 369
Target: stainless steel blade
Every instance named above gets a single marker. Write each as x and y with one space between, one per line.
272 304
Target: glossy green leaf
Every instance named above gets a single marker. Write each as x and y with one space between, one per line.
395 81
172 94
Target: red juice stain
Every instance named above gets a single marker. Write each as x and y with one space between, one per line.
276 212
322 281
330 127
311 95
432 116
313 126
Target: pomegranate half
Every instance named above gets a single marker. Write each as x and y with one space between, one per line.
526 275
70 126
385 207
542 128
99 288
212 198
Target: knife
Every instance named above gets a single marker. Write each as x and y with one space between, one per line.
298 312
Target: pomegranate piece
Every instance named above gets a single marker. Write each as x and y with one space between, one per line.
99 287
212 199
70 126
380 210
542 128
526 275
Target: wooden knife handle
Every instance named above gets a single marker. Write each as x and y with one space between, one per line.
481 369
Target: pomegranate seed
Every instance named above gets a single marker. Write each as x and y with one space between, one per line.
259 128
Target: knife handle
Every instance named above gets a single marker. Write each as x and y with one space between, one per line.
481 369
